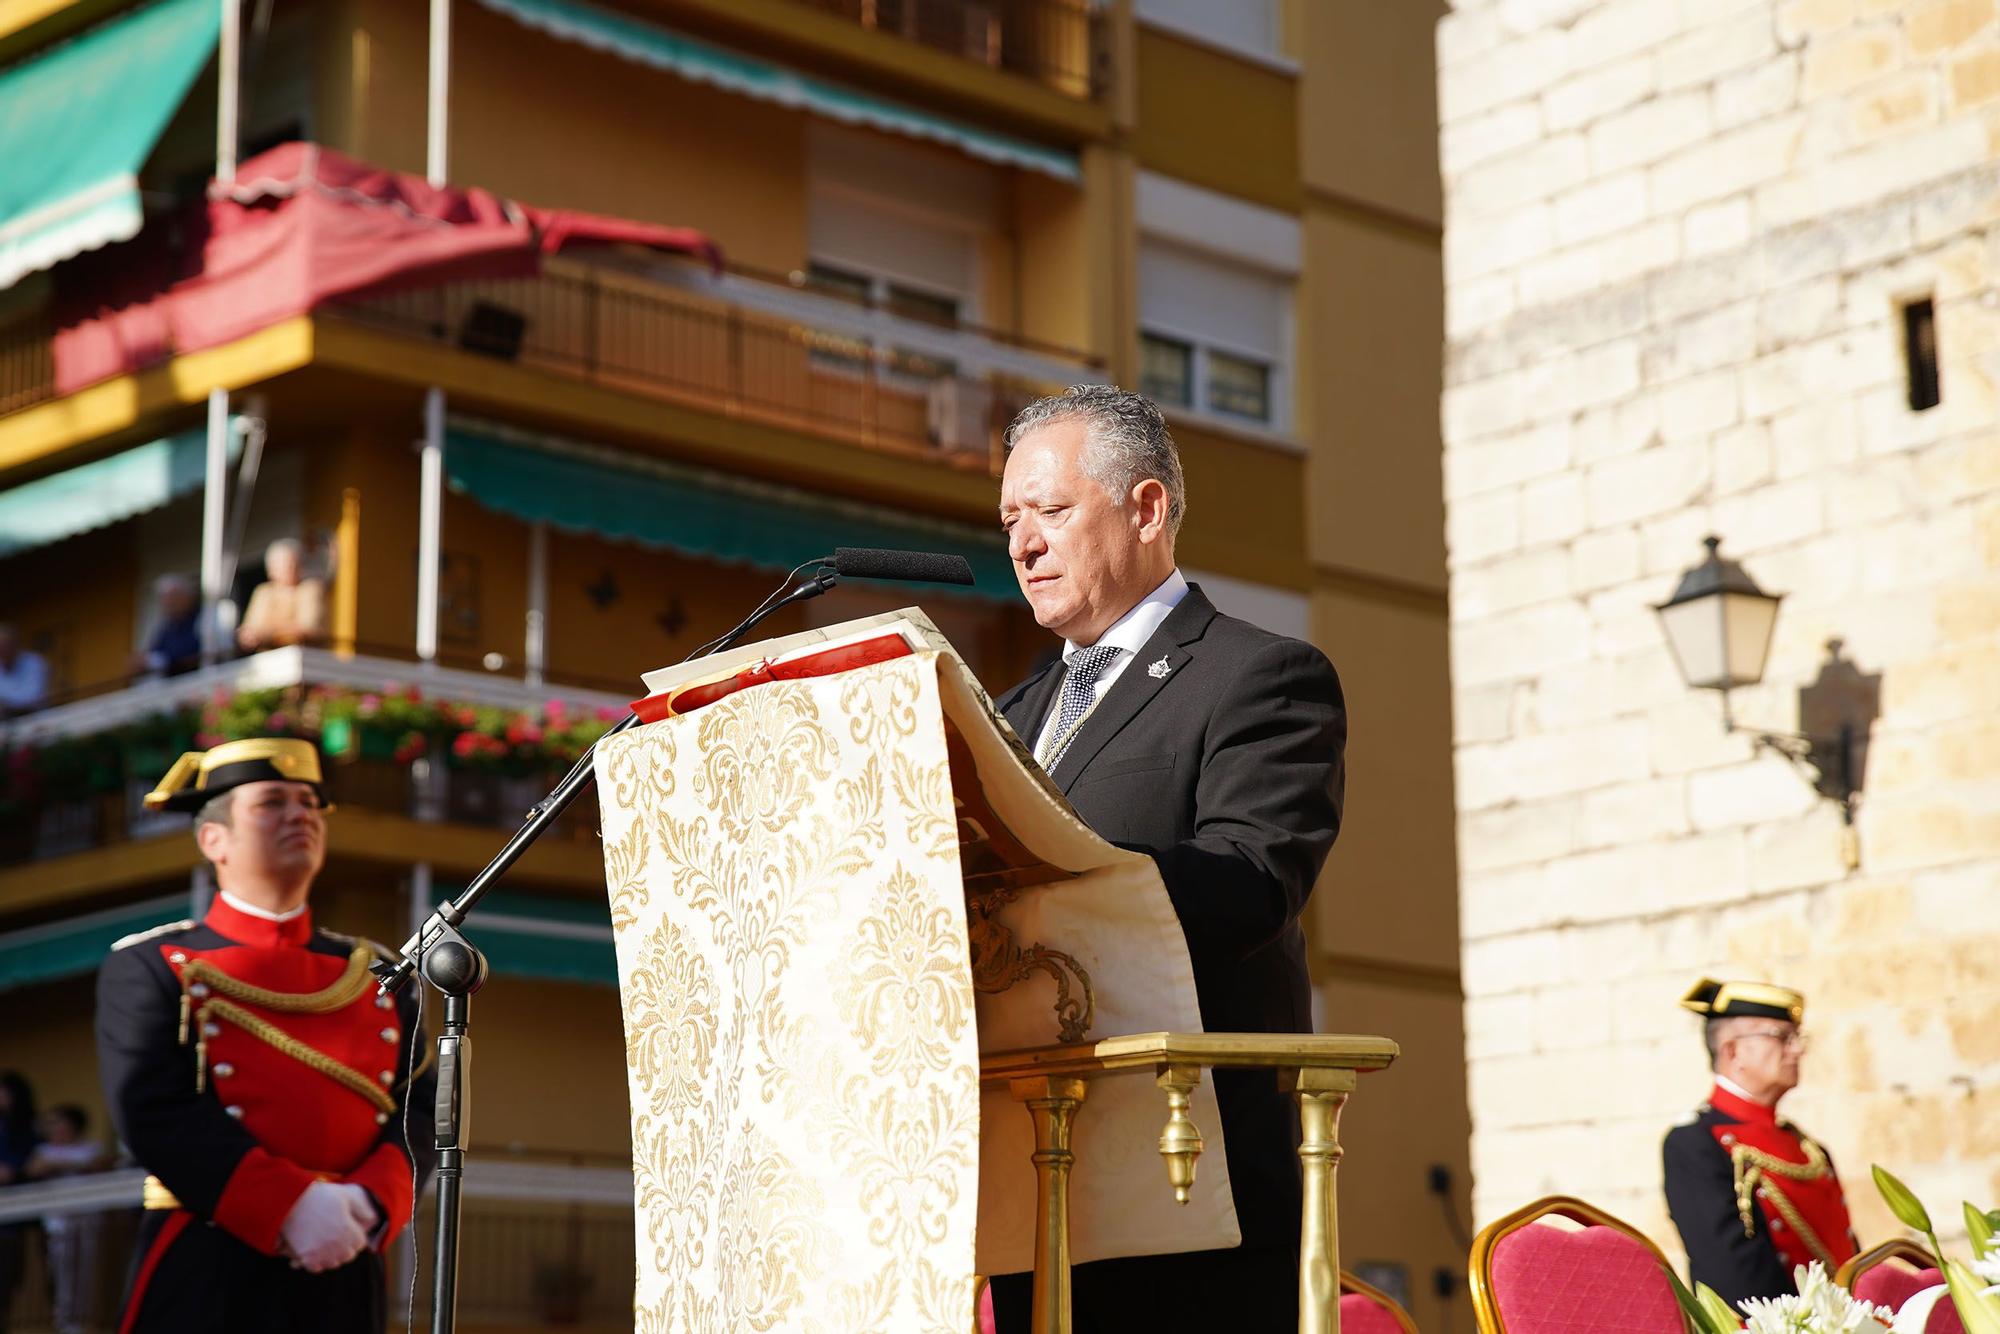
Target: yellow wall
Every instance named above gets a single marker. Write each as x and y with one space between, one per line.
1217 121
80 595
1245 517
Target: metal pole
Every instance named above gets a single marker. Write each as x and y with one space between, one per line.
430 522
534 652
229 62
214 493
436 163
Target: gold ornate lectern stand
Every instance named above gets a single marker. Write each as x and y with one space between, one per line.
830 897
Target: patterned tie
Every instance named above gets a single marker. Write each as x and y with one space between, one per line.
1079 678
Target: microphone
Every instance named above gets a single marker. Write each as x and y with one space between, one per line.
927 567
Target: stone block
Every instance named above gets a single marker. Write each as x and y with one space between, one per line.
1604 558
1497 244
1901 834
1894 105
1726 163
1624 256
1800 312
1641 811
1520 644
1778 515
1609 884
1481 527
1722 225
1624 619
1723 338
1501 902
1799 853
1965 612
1517 580
1467 143
1959 682
1696 408
1573 1018
1742 458
1539 172
1858 497
1617 29
1757 93
1561 276
1652 481
1552 510
1524 834
1508 963
1500 1025
1850 59
1482 713
1648 676
1648 132
1975 78
1490 464
1466 32
1508 70
1568 698
1688 737
1875 172
1695 59
1605 205
1938 24
1597 92
1759 792
1807 436
1477 303
1669 544
1597 375
1801 19
1494 406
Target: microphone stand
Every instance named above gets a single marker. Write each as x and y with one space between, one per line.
451 964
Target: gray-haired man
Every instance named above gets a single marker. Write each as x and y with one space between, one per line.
1215 747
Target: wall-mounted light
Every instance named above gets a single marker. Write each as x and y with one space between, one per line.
1719 625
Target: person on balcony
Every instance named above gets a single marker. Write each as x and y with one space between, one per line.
286 608
19 1134
175 644
24 676
281 1105
1210 744
1752 1195
70 1239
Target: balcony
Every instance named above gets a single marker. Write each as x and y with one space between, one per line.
746 344
432 744
1054 42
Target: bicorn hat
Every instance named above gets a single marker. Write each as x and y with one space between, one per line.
199 775
1733 1000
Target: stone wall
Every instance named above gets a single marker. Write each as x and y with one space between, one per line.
1679 237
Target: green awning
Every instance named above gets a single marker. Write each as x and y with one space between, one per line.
78 944
543 937
79 120
648 44
589 489
107 491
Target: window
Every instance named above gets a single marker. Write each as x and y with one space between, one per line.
1166 370
1215 335
1920 354
1246 26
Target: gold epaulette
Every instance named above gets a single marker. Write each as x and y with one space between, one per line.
138 937
157 1196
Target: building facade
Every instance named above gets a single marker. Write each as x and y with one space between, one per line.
927 212
1723 267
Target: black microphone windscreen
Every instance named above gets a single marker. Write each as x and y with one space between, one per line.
920 566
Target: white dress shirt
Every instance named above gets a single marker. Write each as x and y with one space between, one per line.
245 906
1128 633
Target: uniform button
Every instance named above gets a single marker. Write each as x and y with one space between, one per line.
177 957
224 1069
1729 1141
198 990
236 1112
387 1077
384 1001
381 1118
1777 1225
390 1035
211 1030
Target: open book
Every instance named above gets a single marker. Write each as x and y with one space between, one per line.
822 652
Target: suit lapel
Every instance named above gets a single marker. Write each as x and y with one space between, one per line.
1157 663
1031 702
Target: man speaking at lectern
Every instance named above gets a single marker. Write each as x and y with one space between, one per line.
1216 748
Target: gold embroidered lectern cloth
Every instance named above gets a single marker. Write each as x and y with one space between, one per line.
788 871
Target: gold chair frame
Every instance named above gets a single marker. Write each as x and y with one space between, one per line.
1896 1248
1485 1302
1361 1288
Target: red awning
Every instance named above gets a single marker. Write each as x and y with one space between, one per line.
303 225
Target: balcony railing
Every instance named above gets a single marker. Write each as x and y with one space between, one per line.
77 773
1054 42
27 362
747 346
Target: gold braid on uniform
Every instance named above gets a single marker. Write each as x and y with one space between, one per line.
338 995
304 1053
1753 1165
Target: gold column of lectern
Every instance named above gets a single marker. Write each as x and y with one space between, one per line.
1054 1083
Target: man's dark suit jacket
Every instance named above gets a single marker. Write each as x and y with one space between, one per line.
1219 751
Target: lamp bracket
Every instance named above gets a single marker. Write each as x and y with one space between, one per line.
1827 762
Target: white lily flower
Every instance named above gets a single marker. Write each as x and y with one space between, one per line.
1820 1307
1987 1265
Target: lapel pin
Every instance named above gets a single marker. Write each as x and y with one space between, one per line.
1158 669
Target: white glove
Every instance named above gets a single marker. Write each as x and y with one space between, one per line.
328 1226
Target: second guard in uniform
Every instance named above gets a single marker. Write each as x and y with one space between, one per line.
1752 1194
256 1073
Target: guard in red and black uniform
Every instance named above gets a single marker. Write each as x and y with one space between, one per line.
253 1069
1752 1195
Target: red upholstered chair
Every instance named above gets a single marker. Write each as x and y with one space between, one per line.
1534 1277
1892 1273
1365 1309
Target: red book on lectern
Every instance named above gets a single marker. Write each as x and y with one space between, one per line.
810 660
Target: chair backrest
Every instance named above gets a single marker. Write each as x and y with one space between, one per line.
1892 1273
1366 1309
1529 1277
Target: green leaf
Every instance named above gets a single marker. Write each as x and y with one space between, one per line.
1722 1319
1979 1313
1978 1231
1909 1210
1699 1318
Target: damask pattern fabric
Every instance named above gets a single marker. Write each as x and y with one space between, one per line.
800 1037
1550 1280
